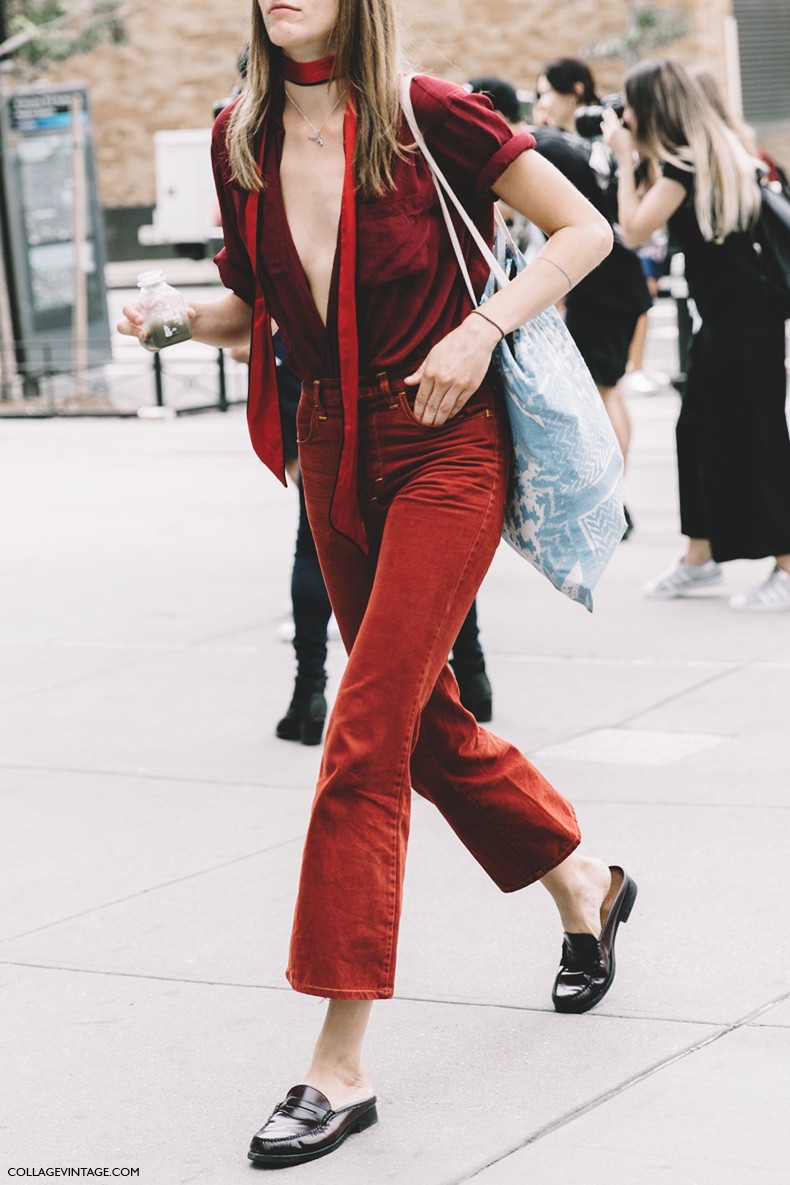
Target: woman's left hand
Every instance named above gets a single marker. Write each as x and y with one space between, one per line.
616 135
453 371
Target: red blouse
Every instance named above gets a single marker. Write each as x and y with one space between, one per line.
410 292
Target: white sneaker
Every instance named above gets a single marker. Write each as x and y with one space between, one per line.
285 631
683 578
771 596
646 382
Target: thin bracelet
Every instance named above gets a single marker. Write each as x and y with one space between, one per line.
545 259
501 332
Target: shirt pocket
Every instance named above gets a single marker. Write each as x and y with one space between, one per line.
394 241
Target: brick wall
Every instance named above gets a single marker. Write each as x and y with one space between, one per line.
177 61
180 58
510 37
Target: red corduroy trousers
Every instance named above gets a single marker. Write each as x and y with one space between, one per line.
433 501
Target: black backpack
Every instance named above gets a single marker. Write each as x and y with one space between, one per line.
772 236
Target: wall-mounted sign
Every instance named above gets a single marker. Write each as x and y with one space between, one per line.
37 144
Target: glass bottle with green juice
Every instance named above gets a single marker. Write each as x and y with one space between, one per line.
164 311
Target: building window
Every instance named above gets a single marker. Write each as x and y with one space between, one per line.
764 45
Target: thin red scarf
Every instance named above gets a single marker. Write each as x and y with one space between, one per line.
308 73
263 411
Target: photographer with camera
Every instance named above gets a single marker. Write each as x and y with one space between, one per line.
603 310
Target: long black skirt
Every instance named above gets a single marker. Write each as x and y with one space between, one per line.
732 438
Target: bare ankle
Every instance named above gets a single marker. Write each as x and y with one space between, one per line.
336 1066
698 552
342 1085
579 887
348 1074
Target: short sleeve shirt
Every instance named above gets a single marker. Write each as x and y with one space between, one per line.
410 292
722 277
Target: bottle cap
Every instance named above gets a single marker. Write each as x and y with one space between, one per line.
147 279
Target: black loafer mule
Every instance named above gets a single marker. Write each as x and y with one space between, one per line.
587 965
305 1127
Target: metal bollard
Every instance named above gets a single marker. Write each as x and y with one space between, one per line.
160 399
222 405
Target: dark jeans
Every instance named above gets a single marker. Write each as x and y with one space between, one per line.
311 607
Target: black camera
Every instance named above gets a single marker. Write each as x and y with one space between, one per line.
588 119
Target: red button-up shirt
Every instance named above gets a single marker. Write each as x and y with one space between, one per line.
410 292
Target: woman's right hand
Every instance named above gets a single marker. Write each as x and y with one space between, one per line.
617 137
133 323
225 322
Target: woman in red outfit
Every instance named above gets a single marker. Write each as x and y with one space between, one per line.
333 231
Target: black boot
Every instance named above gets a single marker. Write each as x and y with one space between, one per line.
304 720
475 691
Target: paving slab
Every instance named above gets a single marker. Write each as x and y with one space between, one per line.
715 1117
29 667
740 701
228 924
537 704
140 531
749 771
195 713
73 843
174 1078
775 1017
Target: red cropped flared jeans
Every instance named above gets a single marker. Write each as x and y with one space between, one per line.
433 501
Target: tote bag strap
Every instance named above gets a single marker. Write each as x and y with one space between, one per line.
503 226
443 188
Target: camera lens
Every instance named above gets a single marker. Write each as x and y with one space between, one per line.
588 119
615 103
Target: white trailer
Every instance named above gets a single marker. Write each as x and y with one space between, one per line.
186 215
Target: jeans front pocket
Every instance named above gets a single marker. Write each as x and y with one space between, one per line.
308 415
469 411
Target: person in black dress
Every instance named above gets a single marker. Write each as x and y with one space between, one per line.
732 437
602 312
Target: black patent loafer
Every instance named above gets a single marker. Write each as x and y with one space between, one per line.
587 965
305 1127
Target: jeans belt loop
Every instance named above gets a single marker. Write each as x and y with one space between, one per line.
317 398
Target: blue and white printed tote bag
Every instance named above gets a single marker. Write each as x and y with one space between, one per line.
565 508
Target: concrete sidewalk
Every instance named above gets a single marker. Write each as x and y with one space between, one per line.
153 826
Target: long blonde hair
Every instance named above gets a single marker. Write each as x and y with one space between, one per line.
713 93
365 46
676 123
